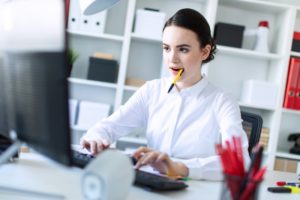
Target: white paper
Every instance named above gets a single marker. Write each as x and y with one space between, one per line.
73 109
90 113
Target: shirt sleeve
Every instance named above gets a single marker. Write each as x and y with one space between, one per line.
203 168
131 115
229 120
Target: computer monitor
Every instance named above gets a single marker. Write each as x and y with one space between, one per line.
33 48
3 113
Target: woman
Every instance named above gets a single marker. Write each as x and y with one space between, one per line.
183 126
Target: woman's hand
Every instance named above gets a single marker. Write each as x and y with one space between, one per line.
160 162
95 146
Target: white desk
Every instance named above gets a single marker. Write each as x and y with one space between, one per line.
36 173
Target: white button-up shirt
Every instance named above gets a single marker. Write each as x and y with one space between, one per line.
186 125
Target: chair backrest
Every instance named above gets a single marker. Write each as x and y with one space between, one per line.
252 124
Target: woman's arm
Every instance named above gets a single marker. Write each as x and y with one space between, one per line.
131 115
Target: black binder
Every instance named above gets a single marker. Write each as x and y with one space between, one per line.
103 70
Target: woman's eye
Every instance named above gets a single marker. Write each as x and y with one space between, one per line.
184 50
166 48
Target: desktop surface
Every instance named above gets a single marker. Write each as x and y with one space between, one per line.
37 173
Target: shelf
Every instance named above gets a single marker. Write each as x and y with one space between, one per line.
134 50
145 39
260 6
283 154
92 83
247 53
97 35
131 88
256 107
291 111
294 53
77 128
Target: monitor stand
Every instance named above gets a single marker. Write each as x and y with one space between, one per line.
10 152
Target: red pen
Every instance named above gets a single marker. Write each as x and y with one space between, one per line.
283 183
253 183
232 159
238 146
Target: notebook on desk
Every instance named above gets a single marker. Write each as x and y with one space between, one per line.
81 157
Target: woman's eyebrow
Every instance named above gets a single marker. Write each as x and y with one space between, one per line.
178 46
183 45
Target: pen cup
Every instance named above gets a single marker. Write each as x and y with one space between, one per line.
231 188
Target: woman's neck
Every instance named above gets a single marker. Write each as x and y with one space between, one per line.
186 84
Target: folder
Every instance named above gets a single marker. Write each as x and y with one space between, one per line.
74 15
93 23
297 95
98 22
105 70
90 113
67 8
291 84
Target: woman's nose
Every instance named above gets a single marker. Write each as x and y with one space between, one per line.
173 57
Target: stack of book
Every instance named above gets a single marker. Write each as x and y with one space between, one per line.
287 165
264 137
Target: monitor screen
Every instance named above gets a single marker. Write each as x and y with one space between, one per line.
3 112
34 65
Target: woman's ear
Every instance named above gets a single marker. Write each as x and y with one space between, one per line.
206 51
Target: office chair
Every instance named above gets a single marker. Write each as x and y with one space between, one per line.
252 124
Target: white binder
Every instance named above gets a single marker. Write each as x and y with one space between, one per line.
94 24
74 15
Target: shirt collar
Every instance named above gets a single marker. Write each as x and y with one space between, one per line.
193 90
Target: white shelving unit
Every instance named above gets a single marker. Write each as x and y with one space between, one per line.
141 57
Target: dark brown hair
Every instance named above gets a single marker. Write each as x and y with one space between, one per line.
194 21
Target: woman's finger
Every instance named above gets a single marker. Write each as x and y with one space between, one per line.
85 144
93 145
149 158
141 151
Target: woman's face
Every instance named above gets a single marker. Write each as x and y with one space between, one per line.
181 49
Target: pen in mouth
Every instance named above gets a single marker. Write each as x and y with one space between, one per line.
176 79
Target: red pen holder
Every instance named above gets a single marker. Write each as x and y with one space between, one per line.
232 188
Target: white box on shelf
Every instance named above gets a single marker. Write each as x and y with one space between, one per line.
90 113
149 23
73 110
259 93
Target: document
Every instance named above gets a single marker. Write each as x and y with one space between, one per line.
90 113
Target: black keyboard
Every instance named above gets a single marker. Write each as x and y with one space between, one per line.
81 159
142 178
157 182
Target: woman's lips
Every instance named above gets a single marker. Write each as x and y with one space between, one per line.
175 70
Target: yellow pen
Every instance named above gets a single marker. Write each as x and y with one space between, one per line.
294 189
176 79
